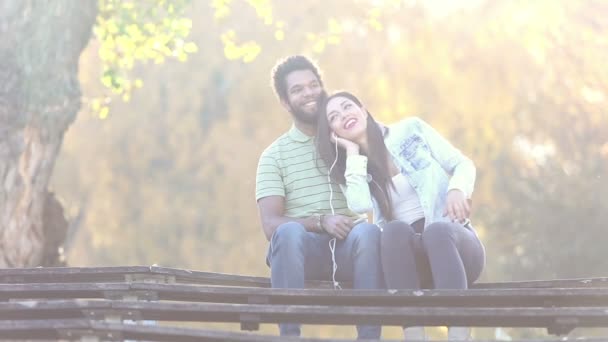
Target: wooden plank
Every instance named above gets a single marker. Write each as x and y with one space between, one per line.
527 317
224 279
311 314
468 298
126 274
69 274
47 329
211 278
76 329
73 329
168 275
565 283
62 290
65 309
196 293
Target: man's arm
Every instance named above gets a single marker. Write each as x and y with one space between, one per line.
270 195
272 209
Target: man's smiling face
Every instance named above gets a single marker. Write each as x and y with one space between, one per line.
304 92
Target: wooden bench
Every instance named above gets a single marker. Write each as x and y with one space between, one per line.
158 274
101 302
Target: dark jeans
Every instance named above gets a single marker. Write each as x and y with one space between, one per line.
442 256
296 255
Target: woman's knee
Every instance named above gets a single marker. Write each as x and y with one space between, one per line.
475 259
439 232
397 232
397 228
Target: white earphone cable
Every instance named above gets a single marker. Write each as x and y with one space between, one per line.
332 242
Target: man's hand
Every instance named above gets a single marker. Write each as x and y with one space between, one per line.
337 226
457 206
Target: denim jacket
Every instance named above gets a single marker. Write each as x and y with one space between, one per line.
428 161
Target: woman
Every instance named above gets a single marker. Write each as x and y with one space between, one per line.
418 186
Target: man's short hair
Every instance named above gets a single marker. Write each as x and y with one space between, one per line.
287 65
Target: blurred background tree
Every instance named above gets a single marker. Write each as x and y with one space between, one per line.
520 86
40 97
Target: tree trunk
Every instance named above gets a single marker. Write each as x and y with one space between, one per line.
40 44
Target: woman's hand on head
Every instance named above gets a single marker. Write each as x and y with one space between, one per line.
457 206
349 146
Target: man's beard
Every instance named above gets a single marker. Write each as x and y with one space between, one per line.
304 117
309 118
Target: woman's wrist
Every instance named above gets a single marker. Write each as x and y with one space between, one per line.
352 150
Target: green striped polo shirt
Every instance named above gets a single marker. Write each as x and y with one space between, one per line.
288 168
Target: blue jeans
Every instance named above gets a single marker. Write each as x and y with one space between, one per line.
296 255
442 256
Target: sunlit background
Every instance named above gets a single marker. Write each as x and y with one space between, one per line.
521 87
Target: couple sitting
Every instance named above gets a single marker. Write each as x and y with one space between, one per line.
336 163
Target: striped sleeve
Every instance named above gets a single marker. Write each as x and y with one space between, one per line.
269 181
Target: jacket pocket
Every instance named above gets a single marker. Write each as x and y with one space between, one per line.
415 152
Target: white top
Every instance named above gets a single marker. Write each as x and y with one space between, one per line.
405 202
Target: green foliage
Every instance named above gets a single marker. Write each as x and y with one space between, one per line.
361 16
131 32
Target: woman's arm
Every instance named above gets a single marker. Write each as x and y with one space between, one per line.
356 189
450 158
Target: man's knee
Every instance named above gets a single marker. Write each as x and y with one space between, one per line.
289 232
365 235
286 242
365 229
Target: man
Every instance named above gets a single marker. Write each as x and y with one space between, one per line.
293 194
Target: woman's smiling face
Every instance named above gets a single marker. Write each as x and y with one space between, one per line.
346 118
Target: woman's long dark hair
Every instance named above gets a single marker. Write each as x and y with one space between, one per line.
377 156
